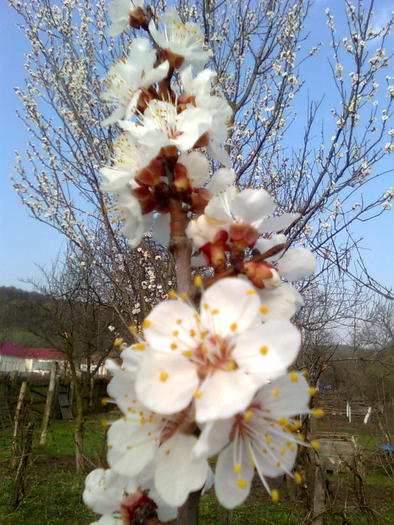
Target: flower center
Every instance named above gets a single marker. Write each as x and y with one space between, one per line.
213 353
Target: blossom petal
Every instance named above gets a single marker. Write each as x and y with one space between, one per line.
281 302
292 399
214 436
229 490
266 351
273 454
250 205
219 154
224 394
230 306
297 263
171 323
166 382
219 207
177 472
221 179
130 448
276 224
263 245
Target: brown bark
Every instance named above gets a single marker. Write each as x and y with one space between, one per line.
79 422
188 513
180 246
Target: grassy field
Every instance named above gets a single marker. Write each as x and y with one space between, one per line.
53 490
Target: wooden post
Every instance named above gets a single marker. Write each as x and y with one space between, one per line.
48 404
188 513
17 418
20 478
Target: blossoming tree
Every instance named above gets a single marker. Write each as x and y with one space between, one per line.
208 373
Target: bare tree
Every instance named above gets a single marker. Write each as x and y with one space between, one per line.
75 320
259 49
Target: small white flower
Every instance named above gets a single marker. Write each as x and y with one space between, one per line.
231 208
197 167
104 490
218 356
119 12
200 88
127 77
260 437
142 437
185 40
161 125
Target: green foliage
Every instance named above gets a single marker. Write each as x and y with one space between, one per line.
54 490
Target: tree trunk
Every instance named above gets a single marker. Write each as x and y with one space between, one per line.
79 422
188 513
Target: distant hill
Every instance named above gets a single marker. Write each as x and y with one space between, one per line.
20 312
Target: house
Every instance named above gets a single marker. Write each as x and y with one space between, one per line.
15 358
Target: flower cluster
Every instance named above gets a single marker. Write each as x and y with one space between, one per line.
208 373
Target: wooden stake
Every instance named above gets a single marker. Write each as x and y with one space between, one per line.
48 404
17 418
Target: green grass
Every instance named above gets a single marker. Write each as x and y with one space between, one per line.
53 490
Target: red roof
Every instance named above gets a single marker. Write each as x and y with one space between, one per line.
15 350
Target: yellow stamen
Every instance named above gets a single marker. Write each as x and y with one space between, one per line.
293 377
248 415
172 294
173 346
315 444
198 281
215 311
233 327
282 421
175 333
275 495
237 468
242 483
297 478
263 310
118 341
264 350
188 353
139 346
275 392
132 328
163 376
250 292
312 391
146 323
197 394
318 413
230 366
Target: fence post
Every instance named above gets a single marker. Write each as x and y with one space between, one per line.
17 418
48 404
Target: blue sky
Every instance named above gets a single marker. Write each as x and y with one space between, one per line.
25 242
